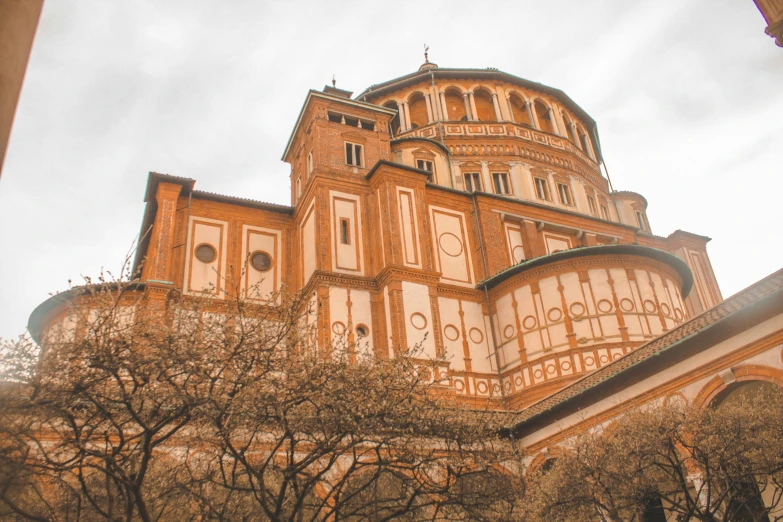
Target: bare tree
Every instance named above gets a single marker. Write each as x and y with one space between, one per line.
723 463
182 408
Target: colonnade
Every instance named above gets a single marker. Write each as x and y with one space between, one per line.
437 111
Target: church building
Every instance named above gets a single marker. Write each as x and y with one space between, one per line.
466 210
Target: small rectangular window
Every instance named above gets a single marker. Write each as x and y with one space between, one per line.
642 219
500 180
564 191
309 163
605 212
298 188
424 165
591 205
353 154
472 182
345 236
542 189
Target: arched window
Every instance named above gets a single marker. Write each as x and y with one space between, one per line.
519 111
544 117
484 106
455 105
345 237
569 125
395 123
417 108
746 503
584 141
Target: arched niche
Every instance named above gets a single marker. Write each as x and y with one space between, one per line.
455 105
519 112
543 114
485 109
417 108
395 123
569 125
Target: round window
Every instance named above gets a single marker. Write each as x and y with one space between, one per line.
261 261
362 331
205 253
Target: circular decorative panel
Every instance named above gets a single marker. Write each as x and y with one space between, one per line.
482 387
519 253
577 309
508 331
450 244
451 332
626 304
261 261
205 253
605 306
554 314
475 335
529 322
649 306
338 328
665 309
418 321
678 314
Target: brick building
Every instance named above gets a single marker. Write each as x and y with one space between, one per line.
469 205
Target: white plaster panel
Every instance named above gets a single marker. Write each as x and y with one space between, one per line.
361 314
387 315
479 340
338 316
516 252
409 227
347 258
451 332
206 277
416 300
257 284
452 246
308 245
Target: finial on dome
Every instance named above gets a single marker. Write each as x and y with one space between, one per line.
334 82
427 64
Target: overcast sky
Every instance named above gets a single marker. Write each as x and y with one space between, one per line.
688 96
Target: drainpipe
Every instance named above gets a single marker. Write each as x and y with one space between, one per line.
608 178
486 297
440 128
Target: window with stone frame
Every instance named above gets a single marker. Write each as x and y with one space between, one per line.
424 165
354 154
564 192
501 183
542 188
641 219
472 181
591 205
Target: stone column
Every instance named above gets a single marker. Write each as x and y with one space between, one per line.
590 151
576 136
436 111
406 117
430 117
498 115
444 109
467 106
531 112
510 109
473 110
553 120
